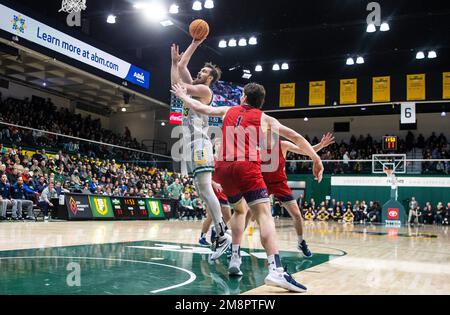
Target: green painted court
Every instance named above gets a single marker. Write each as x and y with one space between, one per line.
136 268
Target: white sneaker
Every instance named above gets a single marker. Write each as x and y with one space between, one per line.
282 279
234 268
221 245
46 218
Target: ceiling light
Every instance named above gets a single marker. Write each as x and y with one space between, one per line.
306 119
111 19
276 67
432 54
363 108
360 60
232 43
124 109
166 23
285 66
242 42
223 44
197 6
420 55
443 114
384 27
350 62
174 9
155 12
258 68
246 76
209 4
44 84
252 41
163 123
371 28
246 71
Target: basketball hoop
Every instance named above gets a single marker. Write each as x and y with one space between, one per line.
71 6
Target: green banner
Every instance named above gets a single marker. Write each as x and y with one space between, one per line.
101 207
155 208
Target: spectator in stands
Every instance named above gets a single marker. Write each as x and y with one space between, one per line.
373 214
428 214
440 213
175 190
199 207
446 220
413 211
21 194
45 203
7 201
186 208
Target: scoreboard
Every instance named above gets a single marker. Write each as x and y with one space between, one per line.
390 143
129 208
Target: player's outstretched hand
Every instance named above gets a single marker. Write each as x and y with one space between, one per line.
327 140
217 187
176 56
318 170
198 42
179 90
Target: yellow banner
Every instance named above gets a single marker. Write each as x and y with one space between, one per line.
415 87
317 93
287 95
446 85
349 88
381 89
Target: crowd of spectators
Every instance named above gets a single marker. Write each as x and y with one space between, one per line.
428 214
362 148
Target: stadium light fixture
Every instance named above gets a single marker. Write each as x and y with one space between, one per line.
197 6
242 42
111 19
209 4
163 123
420 55
384 27
360 60
285 66
174 9
276 67
371 28
432 54
443 114
258 68
154 11
252 41
124 109
350 61
166 23
232 43
223 44
306 119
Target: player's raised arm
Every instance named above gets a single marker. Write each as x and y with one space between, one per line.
180 91
176 57
272 125
327 140
186 58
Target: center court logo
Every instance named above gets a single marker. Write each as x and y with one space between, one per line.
18 24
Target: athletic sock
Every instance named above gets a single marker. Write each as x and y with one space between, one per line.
203 235
300 239
236 249
274 262
221 228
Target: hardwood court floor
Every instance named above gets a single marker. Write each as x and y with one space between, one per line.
349 259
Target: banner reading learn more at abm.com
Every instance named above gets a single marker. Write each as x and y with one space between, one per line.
25 27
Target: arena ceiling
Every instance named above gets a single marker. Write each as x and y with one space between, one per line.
314 37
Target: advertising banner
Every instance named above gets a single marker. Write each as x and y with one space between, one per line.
101 207
78 207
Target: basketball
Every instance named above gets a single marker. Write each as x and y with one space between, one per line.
199 29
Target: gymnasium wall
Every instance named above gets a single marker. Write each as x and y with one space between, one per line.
377 126
141 124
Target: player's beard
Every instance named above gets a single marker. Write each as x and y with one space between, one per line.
199 81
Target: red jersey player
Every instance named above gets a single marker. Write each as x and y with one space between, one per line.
239 173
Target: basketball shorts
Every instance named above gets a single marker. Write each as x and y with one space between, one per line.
281 191
200 158
242 179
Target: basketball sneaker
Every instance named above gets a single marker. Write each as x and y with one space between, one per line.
282 279
234 269
303 247
221 245
203 242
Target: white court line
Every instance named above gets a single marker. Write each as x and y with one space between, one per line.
191 279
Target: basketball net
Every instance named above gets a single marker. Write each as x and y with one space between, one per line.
71 6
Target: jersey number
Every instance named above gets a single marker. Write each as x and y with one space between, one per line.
238 123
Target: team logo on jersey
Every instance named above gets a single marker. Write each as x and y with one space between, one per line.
200 157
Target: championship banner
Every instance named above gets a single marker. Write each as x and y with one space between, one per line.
155 209
446 85
317 93
381 89
101 207
287 95
349 88
415 87
78 207
34 31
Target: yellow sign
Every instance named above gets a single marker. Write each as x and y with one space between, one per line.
381 89
287 95
349 88
317 93
446 85
415 87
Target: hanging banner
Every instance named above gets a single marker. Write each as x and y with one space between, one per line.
408 113
287 95
349 88
446 85
317 93
415 87
381 89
